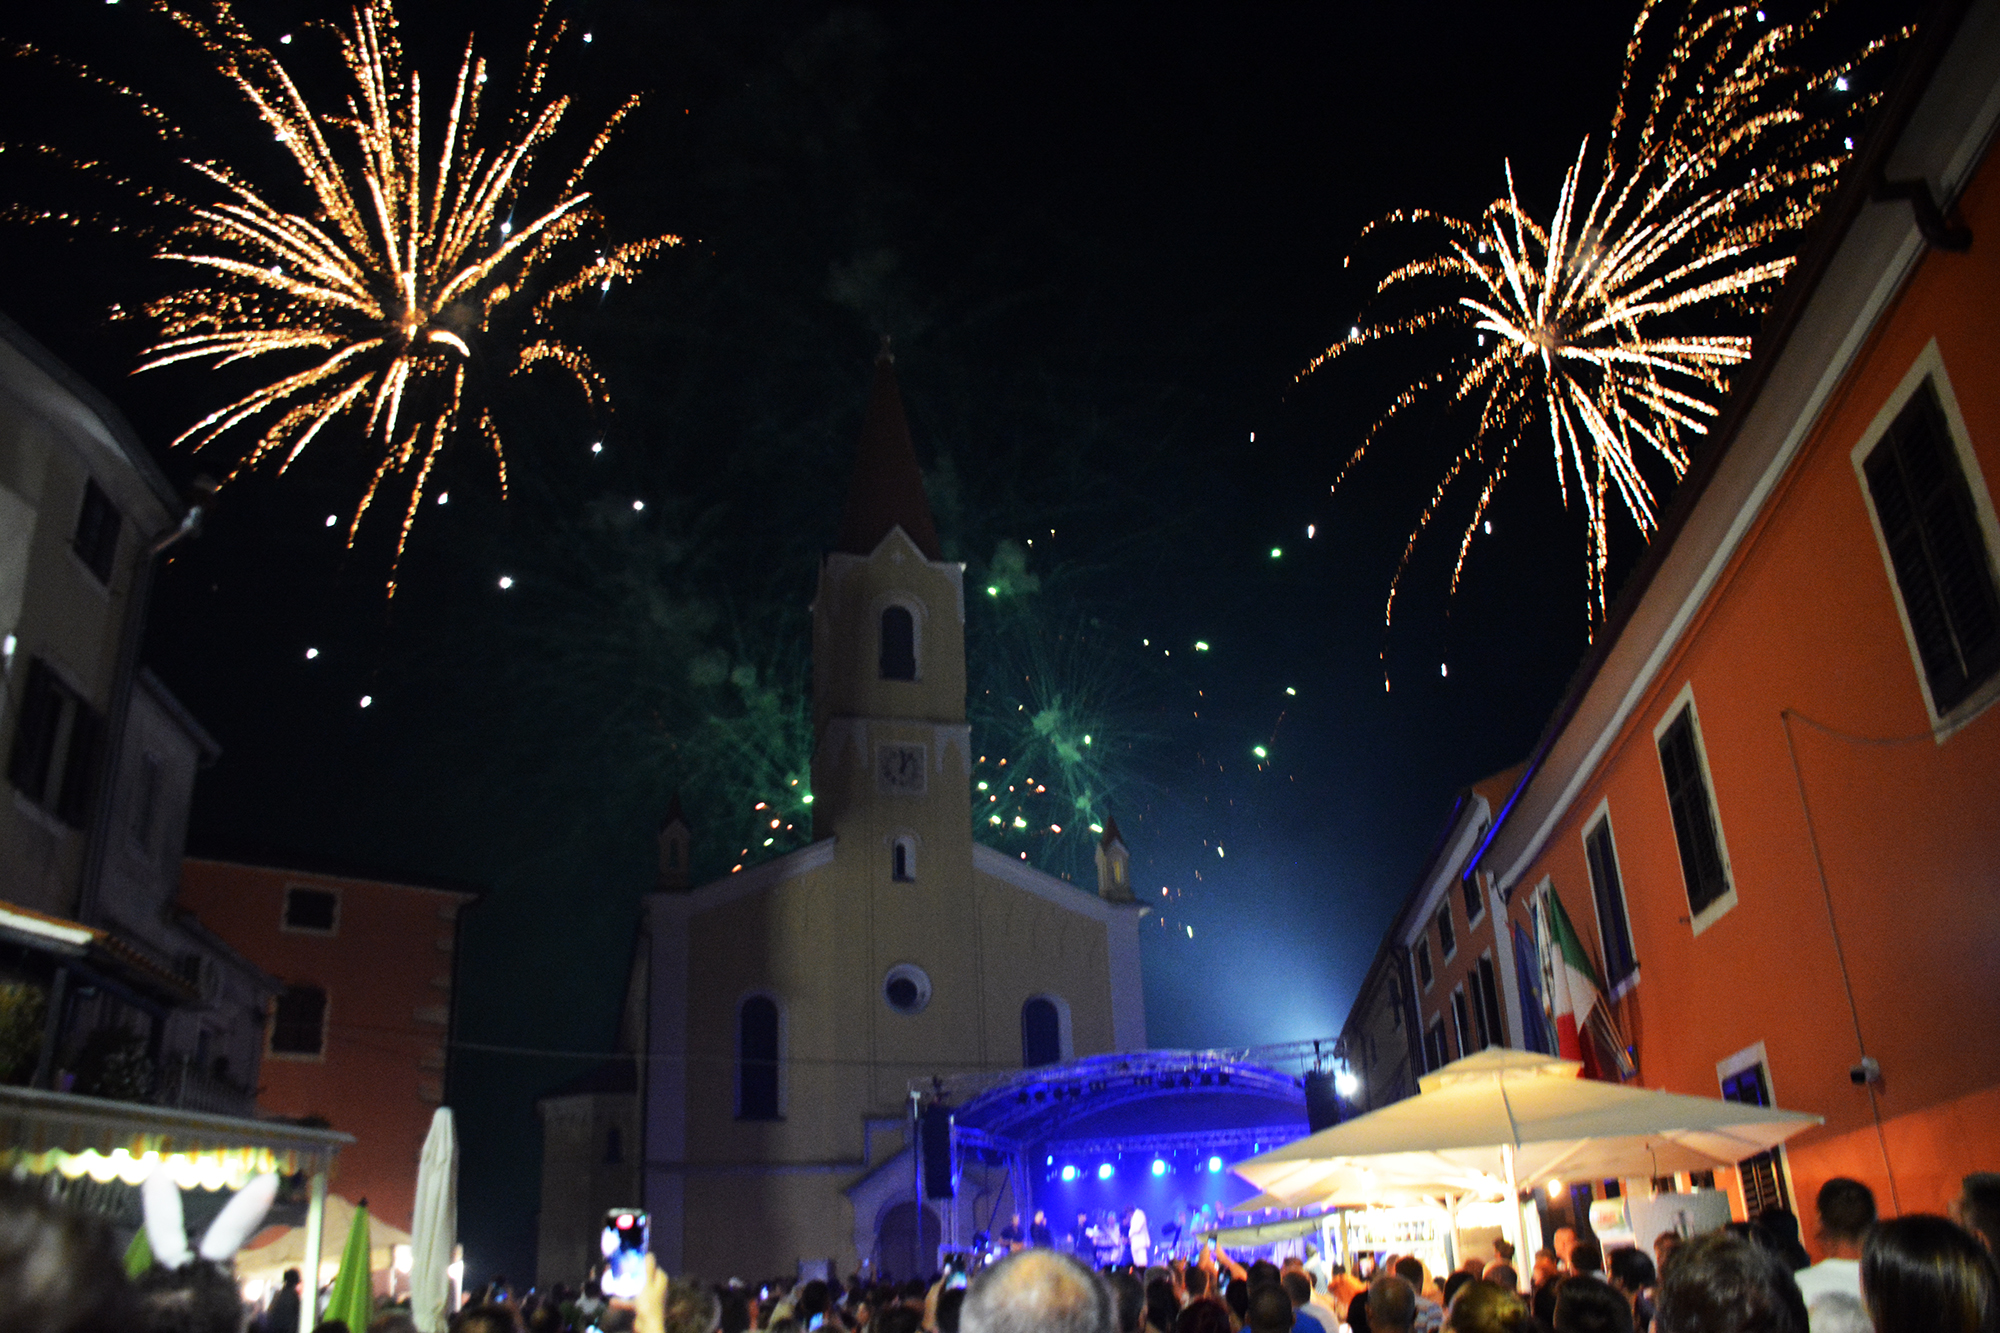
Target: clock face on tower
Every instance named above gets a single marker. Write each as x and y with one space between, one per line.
900 768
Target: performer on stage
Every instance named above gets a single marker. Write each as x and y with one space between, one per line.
1138 1239
1039 1234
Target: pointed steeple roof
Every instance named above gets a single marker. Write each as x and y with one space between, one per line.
887 489
1111 833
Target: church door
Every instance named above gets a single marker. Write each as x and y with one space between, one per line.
900 1253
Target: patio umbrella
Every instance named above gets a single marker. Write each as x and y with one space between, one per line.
434 1225
1502 1121
352 1301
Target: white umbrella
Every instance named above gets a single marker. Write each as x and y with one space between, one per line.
1496 1123
287 1246
434 1225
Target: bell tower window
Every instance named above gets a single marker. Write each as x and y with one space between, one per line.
899 644
903 861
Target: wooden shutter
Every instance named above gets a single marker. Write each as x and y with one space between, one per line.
1693 814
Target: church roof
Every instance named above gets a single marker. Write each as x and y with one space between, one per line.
887 489
1111 833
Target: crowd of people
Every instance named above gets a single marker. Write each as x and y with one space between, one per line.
1917 1273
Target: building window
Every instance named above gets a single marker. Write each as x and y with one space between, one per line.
1762 1176
1697 832
899 644
57 741
1424 973
1461 1022
97 527
1614 928
903 861
1486 1004
1475 906
757 1059
1931 533
314 911
1447 941
1041 1033
1435 1053
298 1021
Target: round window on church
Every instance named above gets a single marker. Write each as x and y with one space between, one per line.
907 988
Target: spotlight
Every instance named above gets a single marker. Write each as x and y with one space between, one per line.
1159 1167
1068 1174
1214 1165
1555 1189
1105 1172
1345 1083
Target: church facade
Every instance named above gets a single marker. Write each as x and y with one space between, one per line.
794 1003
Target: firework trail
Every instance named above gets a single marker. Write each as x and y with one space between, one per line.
423 272
1584 330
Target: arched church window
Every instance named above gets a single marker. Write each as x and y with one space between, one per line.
757 1059
1041 1033
899 644
903 861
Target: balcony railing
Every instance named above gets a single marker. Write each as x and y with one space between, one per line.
186 1085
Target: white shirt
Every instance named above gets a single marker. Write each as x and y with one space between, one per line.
1140 1240
1830 1276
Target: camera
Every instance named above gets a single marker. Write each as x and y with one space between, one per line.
1865 1073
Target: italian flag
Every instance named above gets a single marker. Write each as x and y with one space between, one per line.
1573 987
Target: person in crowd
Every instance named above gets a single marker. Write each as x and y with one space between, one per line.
59 1272
1586 1259
1977 1208
1586 1303
1664 1245
1011 1235
1456 1283
282 1314
484 1317
1548 1276
1781 1226
1270 1309
1846 1210
1501 1274
949 1306
1392 1304
1634 1275
1130 1294
899 1318
1195 1282
1429 1314
1038 1291
1503 1250
1725 1283
1838 1312
1237 1297
1927 1272
1357 1311
1308 1318
1204 1314
1482 1307
1563 1242
1163 1307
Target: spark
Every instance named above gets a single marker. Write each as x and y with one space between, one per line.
367 699
506 582
311 653
1609 320
375 313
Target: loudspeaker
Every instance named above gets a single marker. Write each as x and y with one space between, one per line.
938 1182
1322 1106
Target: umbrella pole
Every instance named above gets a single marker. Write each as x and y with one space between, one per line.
1514 1210
315 1226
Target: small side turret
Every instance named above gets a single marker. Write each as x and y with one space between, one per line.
1114 866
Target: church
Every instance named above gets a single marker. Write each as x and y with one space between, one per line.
790 1007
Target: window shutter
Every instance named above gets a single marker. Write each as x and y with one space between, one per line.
1694 820
1939 557
1613 927
35 732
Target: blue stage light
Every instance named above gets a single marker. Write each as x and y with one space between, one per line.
1214 1165
1068 1174
1159 1167
1105 1172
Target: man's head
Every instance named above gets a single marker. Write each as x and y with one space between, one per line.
292 1278
1977 1208
1846 1211
1411 1270
1632 1271
1130 1294
1041 1218
1392 1304
1197 1283
1038 1290
1587 1256
1563 1242
1297 1286
1587 1305
1664 1245
1504 1251
1725 1283
1263 1271
1271 1309
1503 1276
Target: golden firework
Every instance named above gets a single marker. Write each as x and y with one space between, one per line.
1591 327
422 271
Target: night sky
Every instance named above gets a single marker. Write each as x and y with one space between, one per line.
1104 243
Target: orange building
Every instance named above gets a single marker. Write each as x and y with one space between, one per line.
1771 801
360 1032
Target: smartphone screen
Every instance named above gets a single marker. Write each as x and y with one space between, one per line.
624 1243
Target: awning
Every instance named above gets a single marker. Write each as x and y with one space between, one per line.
94 946
43 1132
1266 1233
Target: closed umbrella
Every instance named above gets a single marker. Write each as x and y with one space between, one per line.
434 1225
353 1298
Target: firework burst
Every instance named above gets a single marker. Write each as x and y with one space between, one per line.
423 272
1593 331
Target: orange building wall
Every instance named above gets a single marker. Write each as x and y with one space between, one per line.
387 971
1805 619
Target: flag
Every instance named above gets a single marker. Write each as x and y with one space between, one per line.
1574 990
352 1301
1527 973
